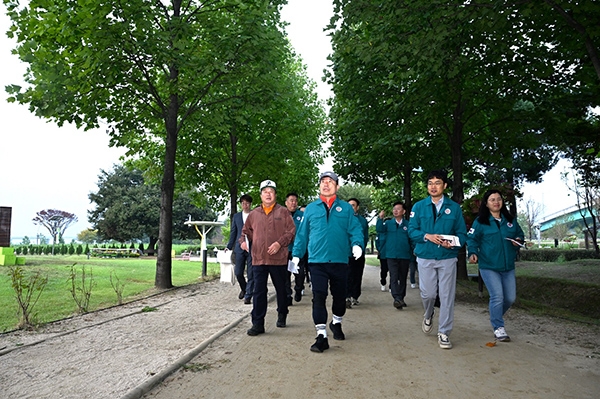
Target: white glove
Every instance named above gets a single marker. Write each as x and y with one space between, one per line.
296 261
293 265
356 251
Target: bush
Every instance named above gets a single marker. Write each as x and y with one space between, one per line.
554 255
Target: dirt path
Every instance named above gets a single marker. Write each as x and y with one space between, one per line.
385 353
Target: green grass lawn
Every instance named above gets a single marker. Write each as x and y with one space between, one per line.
56 302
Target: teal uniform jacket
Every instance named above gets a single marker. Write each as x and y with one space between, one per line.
297 216
328 237
489 243
396 239
449 220
365 229
380 239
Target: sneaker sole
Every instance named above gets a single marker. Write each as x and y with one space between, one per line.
427 329
445 346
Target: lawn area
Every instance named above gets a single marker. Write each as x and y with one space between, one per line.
56 302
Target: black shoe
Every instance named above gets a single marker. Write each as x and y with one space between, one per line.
348 303
242 294
281 320
320 344
402 303
398 304
298 296
338 334
255 330
290 301
247 301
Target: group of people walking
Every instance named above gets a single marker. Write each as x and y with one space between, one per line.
329 238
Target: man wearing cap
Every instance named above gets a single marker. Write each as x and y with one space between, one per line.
430 219
269 229
329 232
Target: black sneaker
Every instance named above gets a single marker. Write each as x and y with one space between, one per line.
298 296
247 301
402 303
255 330
281 320
348 303
242 294
320 345
398 304
338 334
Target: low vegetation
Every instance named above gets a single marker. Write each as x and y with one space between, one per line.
135 279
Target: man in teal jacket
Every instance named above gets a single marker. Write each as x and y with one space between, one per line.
330 232
430 220
356 267
399 251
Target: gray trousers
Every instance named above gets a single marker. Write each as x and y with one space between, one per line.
438 277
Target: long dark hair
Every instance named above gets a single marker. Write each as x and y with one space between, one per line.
484 211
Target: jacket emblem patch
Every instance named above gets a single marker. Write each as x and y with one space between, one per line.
338 208
471 230
447 211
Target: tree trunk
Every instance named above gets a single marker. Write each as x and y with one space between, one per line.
407 191
457 180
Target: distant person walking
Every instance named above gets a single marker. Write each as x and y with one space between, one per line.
242 258
356 267
269 229
493 243
399 251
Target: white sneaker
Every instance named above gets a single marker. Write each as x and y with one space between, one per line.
444 341
383 288
427 325
500 335
413 286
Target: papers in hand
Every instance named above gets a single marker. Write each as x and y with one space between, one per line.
292 267
247 242
453 240
515 242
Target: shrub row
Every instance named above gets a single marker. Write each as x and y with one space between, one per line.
556 255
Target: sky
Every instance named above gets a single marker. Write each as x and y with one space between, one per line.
44 166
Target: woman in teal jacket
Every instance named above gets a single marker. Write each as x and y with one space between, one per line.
493 242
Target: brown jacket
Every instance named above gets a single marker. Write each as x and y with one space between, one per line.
263 230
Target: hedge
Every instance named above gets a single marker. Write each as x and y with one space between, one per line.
554 255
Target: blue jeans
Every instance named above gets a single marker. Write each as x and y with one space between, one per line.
502 287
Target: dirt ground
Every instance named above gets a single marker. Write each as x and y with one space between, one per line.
194 345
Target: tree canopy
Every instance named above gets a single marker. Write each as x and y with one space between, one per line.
56 221
153 73
128 209
485 89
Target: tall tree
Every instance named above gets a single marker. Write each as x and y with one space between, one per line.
55 221
470 86
142 67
